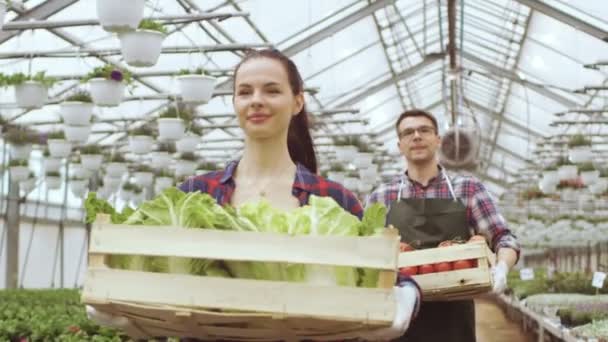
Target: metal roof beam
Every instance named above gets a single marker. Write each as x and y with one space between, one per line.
510 122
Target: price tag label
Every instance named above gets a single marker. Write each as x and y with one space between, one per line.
526 274
598 279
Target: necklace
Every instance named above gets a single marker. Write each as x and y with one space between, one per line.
262 191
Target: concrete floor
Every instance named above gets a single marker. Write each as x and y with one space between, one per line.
494 326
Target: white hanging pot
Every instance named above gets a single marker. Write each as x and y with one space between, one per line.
140 144
106 92
78 187
351 183
141 48
77 134
599 187
364 187
76 113
170 129
79 171
59 148
186 144
346 154
19 173
589 177
31 94
126 195
120 15
337 177
160 160
364 159
53 182
368 175
566 172
162 183
3 6
52 165
91 162
196 88
547 187
144 179
580 154
184 168
20 152
28 185
551 177
111 183
116 169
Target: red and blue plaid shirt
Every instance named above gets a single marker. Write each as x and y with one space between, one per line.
220 184
482 214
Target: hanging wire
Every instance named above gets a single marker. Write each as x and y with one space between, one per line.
34 226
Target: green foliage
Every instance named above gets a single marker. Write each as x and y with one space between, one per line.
117 158
91 149
337 168
142 168
56 135
173 112
147 24
189 156
80 96
579 140
109 72
17 135
197 71
18 162
164 173
586 167
210 166
167 147
20 78
143 130
53 174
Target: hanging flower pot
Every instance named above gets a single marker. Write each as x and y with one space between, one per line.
566 172
368 175
600 186
28 185
160 160
141 48
141 144
336 176
186 165
106 92
547 187
91 162
77 109
363 159
127 192
18 170
187 144
59 148
111 183
170 129
77 134
162 183
53 180
195 87
52 164
31 94
78 187
116 169
351 182
20 151
579 149
346 154
120 15
77 170
364 187
144 179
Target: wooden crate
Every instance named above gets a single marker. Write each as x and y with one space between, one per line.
456 284
214 308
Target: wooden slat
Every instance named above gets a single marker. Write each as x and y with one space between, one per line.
336 303
368 252
443 254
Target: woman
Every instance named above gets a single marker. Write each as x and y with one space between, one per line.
279 162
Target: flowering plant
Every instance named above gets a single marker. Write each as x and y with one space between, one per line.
109 72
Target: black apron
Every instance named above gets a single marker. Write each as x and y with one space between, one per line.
424 223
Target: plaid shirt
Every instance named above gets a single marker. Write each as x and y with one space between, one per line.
482 215
221 185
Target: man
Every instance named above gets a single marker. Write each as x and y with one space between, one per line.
428 207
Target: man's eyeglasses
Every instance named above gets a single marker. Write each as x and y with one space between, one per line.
423 131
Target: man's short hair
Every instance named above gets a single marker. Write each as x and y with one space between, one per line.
415 113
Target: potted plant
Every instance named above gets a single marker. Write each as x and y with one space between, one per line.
195 86
162 157
20 141
77 134
589 174
205 167
188 143
53 180
107 84
77 109
142 47
78 186
18 169
566 170
172 123
127 191
31 91
29 184
186 165
140 140
50 163
550 174
112 184
91 157
346 148
336 173
119 15
117 165
579 149
144 175
78 170
164 179
59 147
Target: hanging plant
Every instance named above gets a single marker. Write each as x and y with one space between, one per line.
579 140
80 96
131 13
53 174
166 147
586 167
195 86
117 158
208 166
21 78
140 140
551 167
16 135
532 193
17 162
91 149
142 168
164 174
107 84
142 47
77 108
151 25
31 91
144 130
172 123
189 156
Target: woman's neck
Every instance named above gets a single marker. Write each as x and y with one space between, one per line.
265 157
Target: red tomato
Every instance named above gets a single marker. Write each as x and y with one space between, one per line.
443 267
409 271
424 269
477 238
462 264
404 247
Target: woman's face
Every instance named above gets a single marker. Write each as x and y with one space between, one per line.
263 99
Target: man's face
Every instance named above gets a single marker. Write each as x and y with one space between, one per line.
418 140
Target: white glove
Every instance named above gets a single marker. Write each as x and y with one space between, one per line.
499 276
106 319
406 298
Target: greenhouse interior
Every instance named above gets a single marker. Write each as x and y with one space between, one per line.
122 115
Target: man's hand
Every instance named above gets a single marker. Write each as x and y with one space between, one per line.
499 276
406 298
